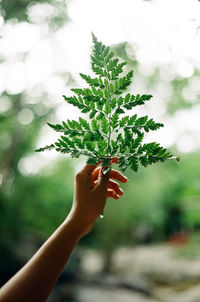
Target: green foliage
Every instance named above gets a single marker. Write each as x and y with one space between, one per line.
190 250
18 10
18 208
108 135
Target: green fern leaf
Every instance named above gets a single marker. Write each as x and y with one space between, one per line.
105 134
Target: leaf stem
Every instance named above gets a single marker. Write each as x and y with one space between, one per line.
109 134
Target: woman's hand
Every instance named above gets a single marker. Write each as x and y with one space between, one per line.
36 279
91 189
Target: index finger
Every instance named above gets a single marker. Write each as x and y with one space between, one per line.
113 174
88 169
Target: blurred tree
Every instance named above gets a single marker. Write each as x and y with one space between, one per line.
162 199
149 204
176 91
24 207
33 208
180 91
37 202
51 12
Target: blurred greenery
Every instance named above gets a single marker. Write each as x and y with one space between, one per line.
191 250
37 202
53 12
158 201
33 204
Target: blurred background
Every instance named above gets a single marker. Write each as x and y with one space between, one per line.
147 247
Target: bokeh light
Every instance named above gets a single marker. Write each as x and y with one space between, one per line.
43 49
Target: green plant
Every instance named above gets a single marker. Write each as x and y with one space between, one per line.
108 136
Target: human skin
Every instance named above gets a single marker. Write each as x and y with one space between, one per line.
36 279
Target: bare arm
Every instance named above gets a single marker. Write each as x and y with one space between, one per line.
36 279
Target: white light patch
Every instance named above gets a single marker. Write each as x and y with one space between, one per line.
154 54
167 73
76 48
186 143
146 70
188 94
5 104
185 69
39 13
47 137
188 119
164 90
28 165
131 50
55 85
195 84
1 21
165 136
25 116
88 16
158 32
39 63
67 111
16 78
21 38
162 32
3 72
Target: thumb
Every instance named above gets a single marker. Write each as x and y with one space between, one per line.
88 169
102 180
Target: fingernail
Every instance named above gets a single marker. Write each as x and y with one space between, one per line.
121 192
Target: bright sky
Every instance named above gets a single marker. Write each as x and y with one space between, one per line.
162 33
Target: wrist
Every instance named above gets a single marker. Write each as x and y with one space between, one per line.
78 225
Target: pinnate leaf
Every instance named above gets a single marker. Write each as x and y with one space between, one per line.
108 134
84 123
104 125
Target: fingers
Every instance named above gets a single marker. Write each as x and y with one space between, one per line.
83 177
114 186
113 174
101 186
88 169
118 176
114 160
90 173
112 194
102 180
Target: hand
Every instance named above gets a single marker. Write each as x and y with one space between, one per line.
92 188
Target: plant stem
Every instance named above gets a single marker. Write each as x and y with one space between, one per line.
109 135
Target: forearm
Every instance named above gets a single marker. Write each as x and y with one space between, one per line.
36 279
